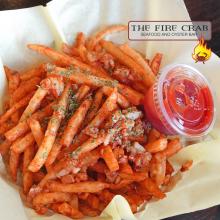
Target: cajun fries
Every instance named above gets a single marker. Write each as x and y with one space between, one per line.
74 130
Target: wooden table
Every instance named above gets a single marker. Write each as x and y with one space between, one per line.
207 10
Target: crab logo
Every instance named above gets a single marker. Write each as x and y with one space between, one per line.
201 52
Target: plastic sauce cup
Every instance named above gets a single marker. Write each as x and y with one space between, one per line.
180 102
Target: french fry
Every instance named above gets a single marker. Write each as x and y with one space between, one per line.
74 201
156 146
82 53
137 177
45 112
23 102
22 127
94 107
133 206
38 176
27 181
44 198
83 196
169 168
4 147
143 193
167 179
140 87
8 72
25 88
52 173
17 131
80 40
82 92
53 85
109 158
152 188
69 178
97 48
38 71
122 184
173 181
16 116
121 100
133 96
36 130
13 80
75 87
89 145
87 211
158 168
50 135
81 138
6 126
63 166
155 63
75 122
34 103
79 177
27 157
153 135
89 158
147 77
138 59
123 75
13 164
54 206
93 201
106 195
103 113
101 34
68 50
102 206
87 186
99 167
53 153
134 199
65 59
186 165
173 147
125 168
20 145
83 77
68 210
139 139
40 210
118 152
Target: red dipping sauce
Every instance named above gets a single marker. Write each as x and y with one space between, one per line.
180 102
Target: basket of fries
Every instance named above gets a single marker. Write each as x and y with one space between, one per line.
83 127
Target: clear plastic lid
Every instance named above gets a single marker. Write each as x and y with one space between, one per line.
184 101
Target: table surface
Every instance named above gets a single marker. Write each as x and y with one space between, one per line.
207 10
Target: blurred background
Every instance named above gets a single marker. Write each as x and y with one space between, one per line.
199 10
